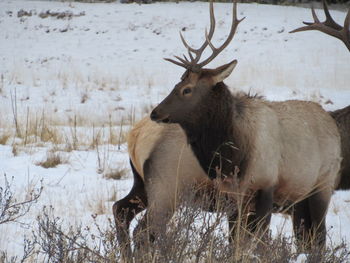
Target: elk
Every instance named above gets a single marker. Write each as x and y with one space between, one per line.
286 152
165 170
162 146
341 116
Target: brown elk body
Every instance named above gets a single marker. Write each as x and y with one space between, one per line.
143 144
342 116
287 152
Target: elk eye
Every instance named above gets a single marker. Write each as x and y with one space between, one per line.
186 91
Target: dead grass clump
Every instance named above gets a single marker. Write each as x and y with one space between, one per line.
113 196
60 15
1 83
52 160
116 174
34 128
4 138
101 208
15 149
84 97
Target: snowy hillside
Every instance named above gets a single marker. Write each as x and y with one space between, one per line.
80 79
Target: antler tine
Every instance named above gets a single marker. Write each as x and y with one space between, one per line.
347 24
217 51
314 15
184 61
329 20
193 64
329 26
198 52
177 63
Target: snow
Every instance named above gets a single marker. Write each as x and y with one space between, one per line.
106 65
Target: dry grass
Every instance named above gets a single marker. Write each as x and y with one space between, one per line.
84 97
1 83
15 149
4 138
37 129
100 207
37 126
52 160
113 195
116 174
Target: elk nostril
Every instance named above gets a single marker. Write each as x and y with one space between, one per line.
153 115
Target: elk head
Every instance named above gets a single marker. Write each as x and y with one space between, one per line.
197 82
329 26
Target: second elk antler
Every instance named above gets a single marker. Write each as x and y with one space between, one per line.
193 63
329 26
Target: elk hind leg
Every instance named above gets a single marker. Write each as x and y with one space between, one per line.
318 205
255 223
309 220
301 223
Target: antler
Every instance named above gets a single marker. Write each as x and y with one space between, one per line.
329 26
195 54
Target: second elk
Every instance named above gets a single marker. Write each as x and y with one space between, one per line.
342 116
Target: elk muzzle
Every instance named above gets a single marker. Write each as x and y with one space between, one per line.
159 117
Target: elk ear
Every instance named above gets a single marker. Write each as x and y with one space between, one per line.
222 72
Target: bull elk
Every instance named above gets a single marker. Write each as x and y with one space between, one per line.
286 152
341 116
165 170
165 167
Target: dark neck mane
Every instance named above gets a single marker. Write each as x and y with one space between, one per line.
213 137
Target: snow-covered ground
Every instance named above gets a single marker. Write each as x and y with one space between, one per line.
102 67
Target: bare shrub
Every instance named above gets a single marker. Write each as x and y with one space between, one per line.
10 209
192 236
197 236
28 251
78 244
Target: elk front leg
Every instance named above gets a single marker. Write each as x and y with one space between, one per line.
124 212
260 221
